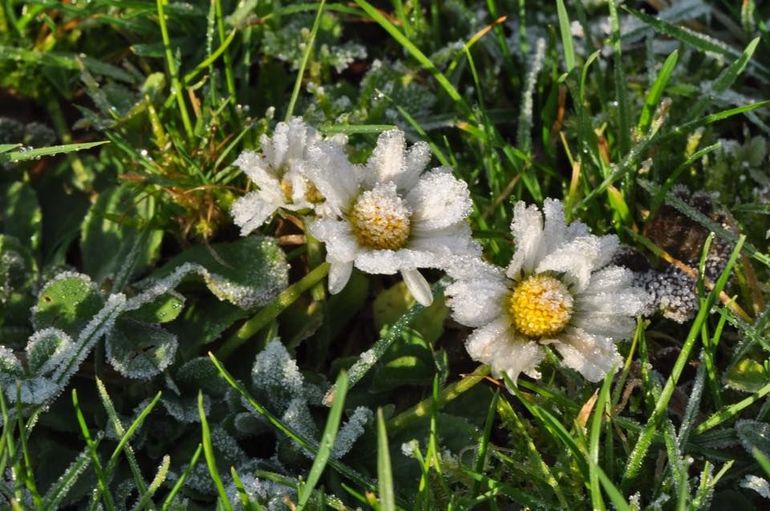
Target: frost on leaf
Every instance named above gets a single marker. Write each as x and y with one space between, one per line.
276 376
351 431
248 272
185 408
10 367
140 350
48 349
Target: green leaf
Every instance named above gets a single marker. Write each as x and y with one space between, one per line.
754 435
115 240
20 214
140 350
566 35
747 375
656 92
68 302
47 349
165 308
248 272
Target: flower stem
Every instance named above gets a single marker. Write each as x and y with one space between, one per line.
270 311
423 408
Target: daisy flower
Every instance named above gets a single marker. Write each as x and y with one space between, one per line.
390 216
557 291
278 173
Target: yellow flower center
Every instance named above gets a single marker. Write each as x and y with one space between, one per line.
540 306
312 194
380 219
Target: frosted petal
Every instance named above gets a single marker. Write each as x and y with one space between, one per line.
418 286
438 200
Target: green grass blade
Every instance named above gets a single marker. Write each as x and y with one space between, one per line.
327 441
636 457
17 156
594 438
566 35
481 452
246 501
656 91
102 484
624 118
303 63
169 500
384 470
208 453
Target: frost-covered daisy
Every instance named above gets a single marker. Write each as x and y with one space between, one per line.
278 173
389 216
557 291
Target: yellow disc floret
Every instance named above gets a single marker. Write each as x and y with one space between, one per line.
540 306
380 219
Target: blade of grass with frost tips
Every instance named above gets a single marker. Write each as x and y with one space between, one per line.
17 156
387 497
169 500
125 435
102 487
279 425
656 91
352 129
390 28
636 457
369 358
59 489
731 411
327 441
566 35
303 63
157 481
496 487
211 461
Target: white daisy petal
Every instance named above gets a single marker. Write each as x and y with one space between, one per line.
527 230
613 326
498 345
576 259
339 274
438 200
256 167
387 159
388 262
593 356
609 280
453 240
333 175
340 242
477 301
251 211
418 286
415 161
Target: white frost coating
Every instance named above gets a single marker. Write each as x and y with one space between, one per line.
602 299
297 417
758 484
351 431
410 448
47 349
275 371
265 492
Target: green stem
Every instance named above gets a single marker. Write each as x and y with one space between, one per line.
453 391
226 54
176 85
267 314
730 411
303 62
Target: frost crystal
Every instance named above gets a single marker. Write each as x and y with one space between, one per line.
757 484
351 431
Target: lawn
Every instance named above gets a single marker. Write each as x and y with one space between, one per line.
384 254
